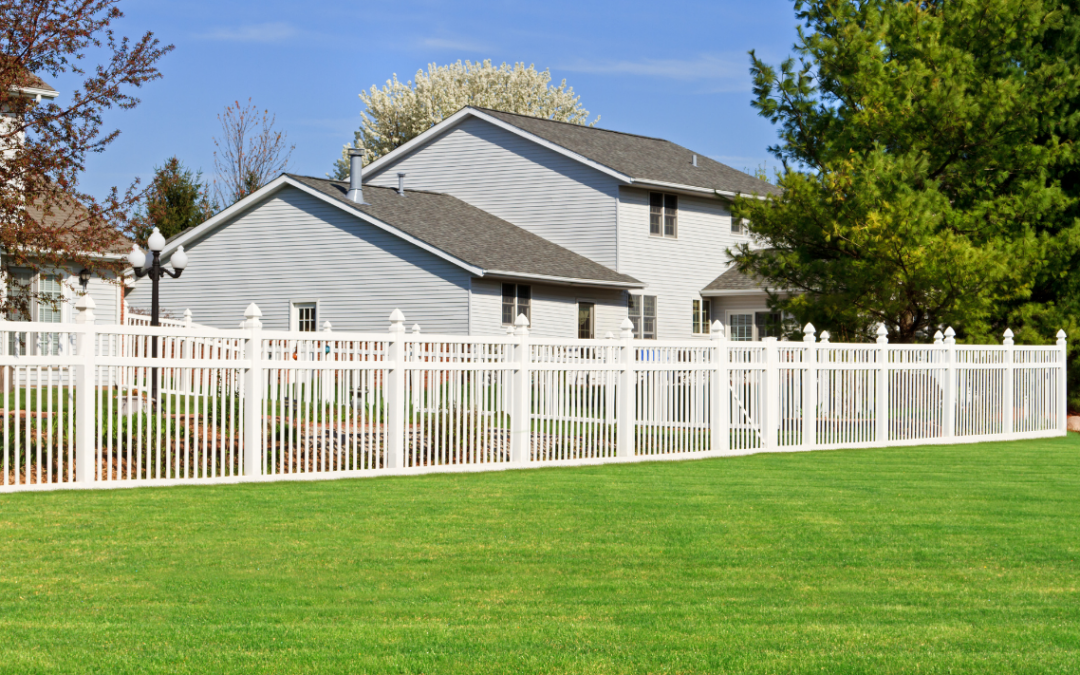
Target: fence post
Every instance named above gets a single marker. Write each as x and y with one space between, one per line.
520 416
1063 389
395 394
1007 386
85 390
627 403
721 388
771 397
187 318
810 385
948 392
253 392
882 397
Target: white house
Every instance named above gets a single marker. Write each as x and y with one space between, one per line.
50 293
485 216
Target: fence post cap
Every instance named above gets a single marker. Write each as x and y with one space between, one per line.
882 334
327 327
509 330
808 332
1061 336
522 323
85 305
1008 335
626 329
396 316
949 332
716 330
187 317
416 328
609 336
825 336
252 311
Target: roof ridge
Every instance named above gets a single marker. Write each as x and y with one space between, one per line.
365 185
573 124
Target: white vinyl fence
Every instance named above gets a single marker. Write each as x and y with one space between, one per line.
79 406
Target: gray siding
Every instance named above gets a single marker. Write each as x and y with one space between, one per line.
293 246
554 309
106 295
675 270
519 181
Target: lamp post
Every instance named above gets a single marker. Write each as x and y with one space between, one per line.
153 268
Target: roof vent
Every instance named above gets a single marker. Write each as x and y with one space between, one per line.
401 184
694 161
356 168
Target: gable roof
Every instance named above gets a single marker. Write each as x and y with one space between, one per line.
641 157
442 224
628 157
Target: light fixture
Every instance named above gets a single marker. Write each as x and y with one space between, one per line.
156 242
151 266
84 278
179 259
137 258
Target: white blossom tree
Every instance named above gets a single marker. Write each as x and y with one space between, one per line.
399 112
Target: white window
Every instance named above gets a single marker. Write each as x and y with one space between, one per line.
516 299
642 312
304 316
663 215
586 322
738 226
754 325
34 297
701 317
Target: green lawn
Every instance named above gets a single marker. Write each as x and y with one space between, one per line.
962 559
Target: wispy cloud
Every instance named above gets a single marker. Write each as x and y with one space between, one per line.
717 72
451 44
277 31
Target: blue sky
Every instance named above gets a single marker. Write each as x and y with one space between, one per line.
677 70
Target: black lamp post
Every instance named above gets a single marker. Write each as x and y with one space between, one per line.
155 271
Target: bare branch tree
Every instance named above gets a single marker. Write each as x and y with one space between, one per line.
249 153
45 221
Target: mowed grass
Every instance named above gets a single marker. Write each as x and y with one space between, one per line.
959 559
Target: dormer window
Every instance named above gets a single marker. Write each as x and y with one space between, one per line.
663 215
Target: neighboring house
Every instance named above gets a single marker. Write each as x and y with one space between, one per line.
574 226
49 295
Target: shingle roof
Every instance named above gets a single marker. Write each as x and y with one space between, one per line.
733 280
640 157
469 234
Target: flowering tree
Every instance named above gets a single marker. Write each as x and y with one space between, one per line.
249 153
398 112
45 220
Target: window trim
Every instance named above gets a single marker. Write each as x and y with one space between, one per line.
752 312
294 313
517 302
639 330
664 197
592 318
701 317
66 294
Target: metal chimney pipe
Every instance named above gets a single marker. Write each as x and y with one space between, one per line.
356 167
401 184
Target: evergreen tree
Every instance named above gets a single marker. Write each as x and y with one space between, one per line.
926 151
175 201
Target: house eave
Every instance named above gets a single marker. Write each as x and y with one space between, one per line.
693 189
563 281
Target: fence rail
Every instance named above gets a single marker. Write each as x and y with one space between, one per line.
89 406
